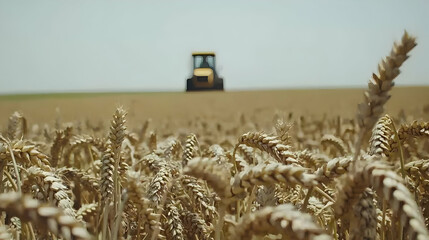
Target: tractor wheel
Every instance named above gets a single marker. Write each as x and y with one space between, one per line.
189 86
219 84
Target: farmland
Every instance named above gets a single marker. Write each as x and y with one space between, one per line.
45 108
286 164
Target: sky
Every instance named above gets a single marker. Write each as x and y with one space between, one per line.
85 46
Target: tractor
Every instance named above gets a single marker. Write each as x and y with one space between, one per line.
204 75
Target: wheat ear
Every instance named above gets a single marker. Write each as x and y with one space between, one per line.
216 176
116 137
415 129
283 219
17 126
191 144
83 141
417 169
62 137
86 211
174 227
106 173
247 153
53 188
172 150
137 195
4 233
43 216
151 163
379 86
269 174
153 142
78 176
158 186
390 186
26 154
270 144
311 159
364 223
382 137
329 139
282 130
199 197
333 169
195 226
117 132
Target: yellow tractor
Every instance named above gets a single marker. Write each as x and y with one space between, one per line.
204 76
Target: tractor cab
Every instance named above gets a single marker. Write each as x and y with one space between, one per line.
204 76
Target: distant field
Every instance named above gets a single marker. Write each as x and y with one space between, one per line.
186 106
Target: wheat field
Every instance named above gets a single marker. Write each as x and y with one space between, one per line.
328 164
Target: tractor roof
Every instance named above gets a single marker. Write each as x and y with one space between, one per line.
203 54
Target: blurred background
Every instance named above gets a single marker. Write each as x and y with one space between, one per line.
97 46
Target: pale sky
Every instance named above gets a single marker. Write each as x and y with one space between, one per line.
60 46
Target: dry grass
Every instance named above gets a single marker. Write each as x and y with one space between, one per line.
231 170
